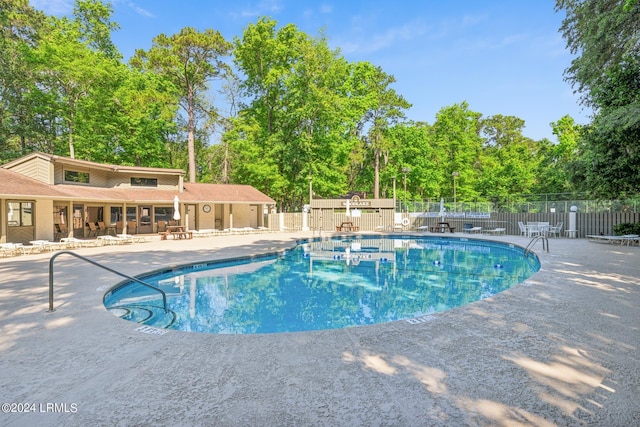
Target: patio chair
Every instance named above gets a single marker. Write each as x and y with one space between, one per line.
103 228
93 229
523 228
57 234
131 227
556 229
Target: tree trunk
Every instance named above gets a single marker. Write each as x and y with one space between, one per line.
191 136
72 151
376 179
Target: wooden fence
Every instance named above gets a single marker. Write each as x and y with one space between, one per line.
586 223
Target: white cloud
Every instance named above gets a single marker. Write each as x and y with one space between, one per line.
53 7
326 8
139 10
263 7
391 37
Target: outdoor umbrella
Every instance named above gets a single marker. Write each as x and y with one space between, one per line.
176 208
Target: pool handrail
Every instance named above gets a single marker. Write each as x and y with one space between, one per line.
545 243
51 309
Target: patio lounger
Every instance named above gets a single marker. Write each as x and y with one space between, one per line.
130 238
111 240
472 230
202 233
72 242
499 230
9 249
627 239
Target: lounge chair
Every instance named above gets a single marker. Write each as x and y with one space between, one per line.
72 242
496 231
9 249
114 240
627 239
471 230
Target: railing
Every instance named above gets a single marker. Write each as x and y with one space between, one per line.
545 243
51 309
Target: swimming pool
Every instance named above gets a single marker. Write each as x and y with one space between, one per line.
325 284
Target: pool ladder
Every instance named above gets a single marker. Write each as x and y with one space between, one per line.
545 243
321 233
51 309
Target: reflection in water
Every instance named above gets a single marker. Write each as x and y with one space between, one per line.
337 283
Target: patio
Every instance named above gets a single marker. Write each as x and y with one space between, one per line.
560 349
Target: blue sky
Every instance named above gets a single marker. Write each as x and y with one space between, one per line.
502 57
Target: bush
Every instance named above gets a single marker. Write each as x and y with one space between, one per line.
626 228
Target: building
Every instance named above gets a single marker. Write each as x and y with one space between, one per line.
43 196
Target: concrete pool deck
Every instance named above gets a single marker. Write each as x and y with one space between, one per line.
559 349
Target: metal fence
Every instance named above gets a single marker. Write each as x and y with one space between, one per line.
541 203
587 223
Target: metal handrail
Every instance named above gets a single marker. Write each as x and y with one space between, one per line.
51 309
545 243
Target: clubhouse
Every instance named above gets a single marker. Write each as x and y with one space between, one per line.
48 197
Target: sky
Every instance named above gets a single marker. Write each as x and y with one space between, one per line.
500 56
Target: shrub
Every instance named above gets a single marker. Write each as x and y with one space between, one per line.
626 228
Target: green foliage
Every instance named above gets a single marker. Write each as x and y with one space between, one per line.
606 38
306 112
189 60
297 111
626 228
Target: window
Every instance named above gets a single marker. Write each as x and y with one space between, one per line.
144 182
116 214
131 213
20 214
75 176
163 213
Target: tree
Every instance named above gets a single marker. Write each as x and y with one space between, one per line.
69 62
601 33
382 107
458 145
610 151
411 145
190 60
20 27
509 159
297 120
605 35
558 161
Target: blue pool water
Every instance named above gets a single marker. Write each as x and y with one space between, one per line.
325 284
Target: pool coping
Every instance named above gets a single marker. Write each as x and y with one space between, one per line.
561 348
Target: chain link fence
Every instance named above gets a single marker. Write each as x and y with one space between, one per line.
533 203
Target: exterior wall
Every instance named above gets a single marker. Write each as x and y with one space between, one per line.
206 220
44 220
108 179
241 216
36 168
97 178
123 180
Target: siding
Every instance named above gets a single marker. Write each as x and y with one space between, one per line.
36 168
123 180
